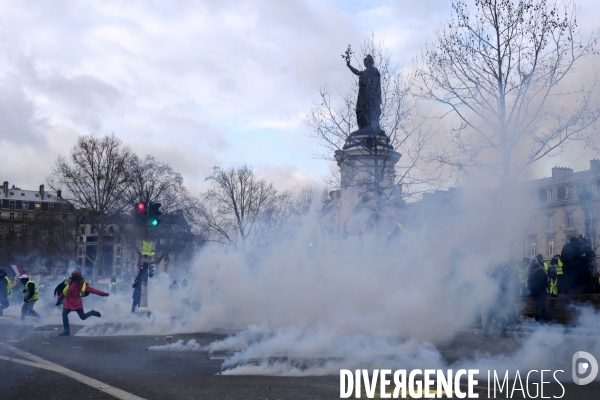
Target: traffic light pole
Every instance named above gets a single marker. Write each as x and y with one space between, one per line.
146 215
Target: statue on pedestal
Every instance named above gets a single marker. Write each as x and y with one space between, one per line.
368 104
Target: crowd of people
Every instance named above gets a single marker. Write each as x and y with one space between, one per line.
70 292
569 272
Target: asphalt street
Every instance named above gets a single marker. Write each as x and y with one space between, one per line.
123 364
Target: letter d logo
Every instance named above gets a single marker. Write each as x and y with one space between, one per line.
584 367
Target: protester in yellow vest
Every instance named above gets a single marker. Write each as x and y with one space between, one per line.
553 284
113 286
540 259
561 282
5 291
30 296
74 291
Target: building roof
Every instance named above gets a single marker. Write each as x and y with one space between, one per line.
30 195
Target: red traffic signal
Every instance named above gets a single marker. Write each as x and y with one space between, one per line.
140 213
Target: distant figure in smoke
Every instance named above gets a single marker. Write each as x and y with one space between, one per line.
173 289
30 296
75 289
137 294
524 271
186 292
113 286
5 291
538 286
502 276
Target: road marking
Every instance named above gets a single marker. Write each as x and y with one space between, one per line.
39 362
31 364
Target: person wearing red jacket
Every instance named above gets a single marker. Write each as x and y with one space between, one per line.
75 289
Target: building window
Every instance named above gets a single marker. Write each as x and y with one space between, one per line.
551 194
24 205
551 247
569 219
22 194
111 229
80 239
12 193
51 207
80 252
11 205
24 217
37 195
49 196
82 230
550 221
570 191
38 206
533 250
11 216
37 217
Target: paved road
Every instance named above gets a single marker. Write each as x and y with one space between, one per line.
125 364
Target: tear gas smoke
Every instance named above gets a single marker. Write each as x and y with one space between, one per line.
374 303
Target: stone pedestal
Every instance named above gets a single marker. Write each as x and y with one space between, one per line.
367 166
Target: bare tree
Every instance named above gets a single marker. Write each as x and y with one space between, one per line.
236 203
95 177
333 120
499 69
151 180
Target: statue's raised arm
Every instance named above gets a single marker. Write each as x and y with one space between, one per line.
354 70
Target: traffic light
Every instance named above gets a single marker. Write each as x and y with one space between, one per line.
143 271
154 214
151 271
141 213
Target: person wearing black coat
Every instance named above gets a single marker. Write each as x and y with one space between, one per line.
507 284
538 286
137 294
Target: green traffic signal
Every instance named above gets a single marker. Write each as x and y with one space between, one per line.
154 222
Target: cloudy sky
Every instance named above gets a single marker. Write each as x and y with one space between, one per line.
195 83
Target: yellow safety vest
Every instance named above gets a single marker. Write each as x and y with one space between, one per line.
559 270
35 296
554 287
81 294
8 286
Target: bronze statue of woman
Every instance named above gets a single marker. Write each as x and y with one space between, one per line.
368 104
